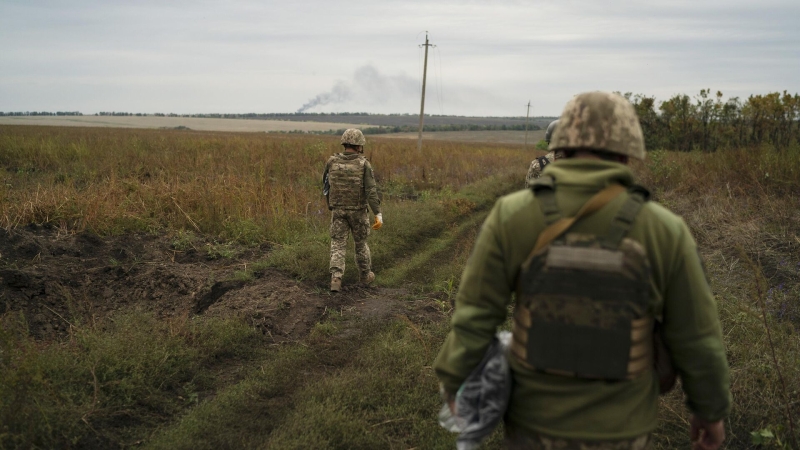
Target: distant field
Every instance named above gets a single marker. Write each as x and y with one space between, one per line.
267 126
496 136
173 122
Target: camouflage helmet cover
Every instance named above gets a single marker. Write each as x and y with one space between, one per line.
601 121
548 135
353 136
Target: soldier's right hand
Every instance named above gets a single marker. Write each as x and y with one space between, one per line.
706 435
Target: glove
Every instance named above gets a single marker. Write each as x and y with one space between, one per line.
378 222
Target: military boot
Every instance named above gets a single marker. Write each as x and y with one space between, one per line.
336 284
367 278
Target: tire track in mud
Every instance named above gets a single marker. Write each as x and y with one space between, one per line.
438 254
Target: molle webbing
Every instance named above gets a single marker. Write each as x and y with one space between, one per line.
637 362
583 300
346 176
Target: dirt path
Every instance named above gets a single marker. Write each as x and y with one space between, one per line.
56 279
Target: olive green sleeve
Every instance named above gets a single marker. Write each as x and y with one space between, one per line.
481 306
693 334
371 189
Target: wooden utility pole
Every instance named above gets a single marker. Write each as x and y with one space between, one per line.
422 103
526 124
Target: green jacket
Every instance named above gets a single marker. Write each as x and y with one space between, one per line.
573 408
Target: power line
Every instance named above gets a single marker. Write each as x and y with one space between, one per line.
422 102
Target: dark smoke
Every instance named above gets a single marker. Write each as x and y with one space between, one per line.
367 86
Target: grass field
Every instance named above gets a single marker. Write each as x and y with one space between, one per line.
167 288
247 125
500 137
193 123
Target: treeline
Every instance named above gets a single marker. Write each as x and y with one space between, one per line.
41 113
707 122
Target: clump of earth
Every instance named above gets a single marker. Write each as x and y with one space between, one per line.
55 278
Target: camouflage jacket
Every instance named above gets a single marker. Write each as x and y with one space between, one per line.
576 408
356 197
536 168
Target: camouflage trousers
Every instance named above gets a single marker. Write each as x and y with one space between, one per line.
343 222
519 440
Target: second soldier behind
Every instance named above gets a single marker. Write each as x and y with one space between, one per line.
349 186
538 164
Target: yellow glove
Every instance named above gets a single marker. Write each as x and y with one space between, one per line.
378 222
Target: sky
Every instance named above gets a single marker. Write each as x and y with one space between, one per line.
490 57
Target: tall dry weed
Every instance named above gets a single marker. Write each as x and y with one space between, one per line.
249 187
743 207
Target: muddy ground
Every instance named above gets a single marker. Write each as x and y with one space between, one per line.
58 279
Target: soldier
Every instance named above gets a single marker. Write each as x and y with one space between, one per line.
594 267
538 164
349 186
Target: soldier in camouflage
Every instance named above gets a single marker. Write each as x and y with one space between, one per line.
538 164
349 186
584 351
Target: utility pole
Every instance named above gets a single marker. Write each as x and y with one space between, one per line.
422 103
526 124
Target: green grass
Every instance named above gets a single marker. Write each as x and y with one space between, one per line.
351 383
415 234
108 385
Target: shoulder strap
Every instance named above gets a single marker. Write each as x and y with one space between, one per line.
623 221
595 203
544 191
543 161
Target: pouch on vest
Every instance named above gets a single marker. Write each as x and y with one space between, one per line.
583 301
346 178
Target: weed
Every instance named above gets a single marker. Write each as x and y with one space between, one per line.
184 240
217 251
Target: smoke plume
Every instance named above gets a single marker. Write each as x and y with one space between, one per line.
368 87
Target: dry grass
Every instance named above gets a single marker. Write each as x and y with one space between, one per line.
247 187
742 207
496 136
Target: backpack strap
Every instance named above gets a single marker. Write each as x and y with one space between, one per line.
544 191
623 221
558 227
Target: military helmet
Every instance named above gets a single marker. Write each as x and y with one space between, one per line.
600 121
353 136
548 135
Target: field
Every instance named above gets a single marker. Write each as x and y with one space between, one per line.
193 123
168 288
498 137
311 124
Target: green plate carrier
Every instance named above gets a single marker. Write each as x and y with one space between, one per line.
583 301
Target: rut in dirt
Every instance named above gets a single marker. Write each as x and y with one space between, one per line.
57 281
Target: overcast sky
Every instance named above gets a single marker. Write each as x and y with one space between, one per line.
491 57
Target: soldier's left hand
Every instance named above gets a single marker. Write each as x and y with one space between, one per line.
378 222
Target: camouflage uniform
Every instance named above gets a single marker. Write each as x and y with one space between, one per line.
550 410
342 223
350 187
535 170
538 164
